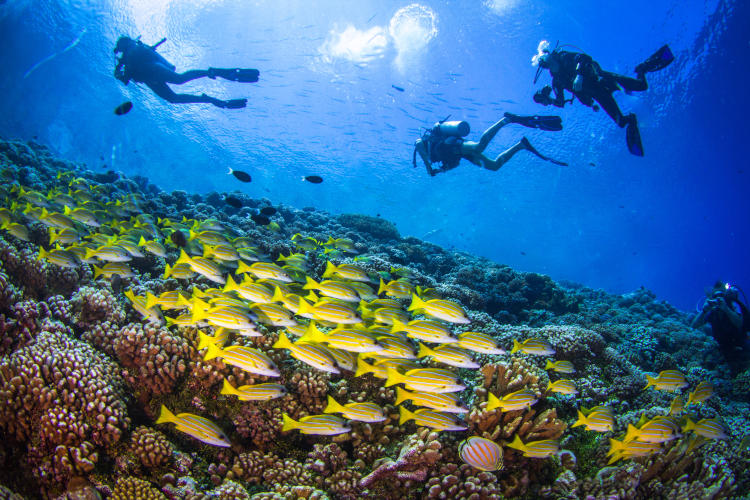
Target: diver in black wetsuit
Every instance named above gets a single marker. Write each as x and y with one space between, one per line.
444 143
580 74
729 318
141 63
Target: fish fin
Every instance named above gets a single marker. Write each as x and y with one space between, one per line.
166 416
493 402
401 395
330 269
631 434
517 444
383 287
212 351
151 299
689 425
304 308
310 284
404 415
393 377
204 341
242 268
651 381
167 271
184 258
362 367
227 388
416 303
581 420
289 424
283 342
424 351
615 446
516 346
549 366
278 295
130 295
333 406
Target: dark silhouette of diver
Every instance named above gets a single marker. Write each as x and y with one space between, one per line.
444 143
578 73
141 63
729 318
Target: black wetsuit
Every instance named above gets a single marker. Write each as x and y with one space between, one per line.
730 324
597 85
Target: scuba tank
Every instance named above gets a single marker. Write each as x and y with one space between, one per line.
453 128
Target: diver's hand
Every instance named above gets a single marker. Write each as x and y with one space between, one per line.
578 83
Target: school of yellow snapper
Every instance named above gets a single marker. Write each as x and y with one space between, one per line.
337 323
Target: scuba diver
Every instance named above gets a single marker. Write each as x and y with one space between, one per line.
141 63
445 143
580 74
729 318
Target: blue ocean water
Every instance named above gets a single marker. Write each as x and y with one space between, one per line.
674 221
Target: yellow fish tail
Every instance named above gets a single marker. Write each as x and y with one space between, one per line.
581 418
517 444
492 402
393 377
283 342
416 303
227 388
424 351
310 284
333 406
651 381
631 434
166 416
401 395
330 269
289 423
516 346
212 351
151 299
404 415
382 287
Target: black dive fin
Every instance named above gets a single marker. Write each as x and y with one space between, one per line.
235 74
659 60
633 137
527 145
549 123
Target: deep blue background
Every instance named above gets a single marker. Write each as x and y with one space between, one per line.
673 221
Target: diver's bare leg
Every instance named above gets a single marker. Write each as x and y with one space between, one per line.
163 91
503 157
488 135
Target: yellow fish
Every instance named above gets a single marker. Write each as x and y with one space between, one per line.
195 426
440 309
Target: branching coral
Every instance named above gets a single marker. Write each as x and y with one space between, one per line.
418 455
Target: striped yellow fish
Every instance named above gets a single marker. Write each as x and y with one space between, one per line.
346 272
481 453
396 288
667 380
348 339
228 317
223 252
433 419
561 366
326 310
361 412
253 292
245 358
109 253
111 268
195 426
310 354
202 266
425 379
426 330
168 300
345 360
447 402
657 430
709 428
179 271
387 315
335 289
82 215
273 314
63 236
677 406
291 301
219 339
364 290
600 421
18 230
56 219
535 449
479 342
702 392
324 425
449 355
262 270
395 347
440 309
153 247
517 400
58 257
536 347
562 386
630 449
208 237
139 304
257 392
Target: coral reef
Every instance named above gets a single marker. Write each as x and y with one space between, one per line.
83 375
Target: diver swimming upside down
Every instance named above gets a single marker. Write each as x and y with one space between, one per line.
445 143
579 74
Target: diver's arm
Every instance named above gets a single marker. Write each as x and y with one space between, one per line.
421 147
559 90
